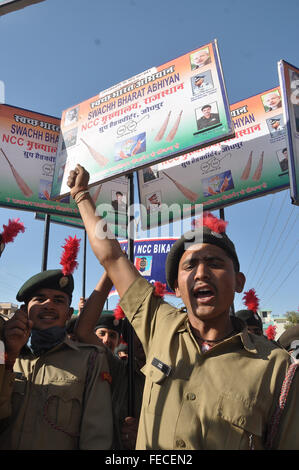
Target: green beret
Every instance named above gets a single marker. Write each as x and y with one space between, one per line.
204 235
250 317
288 336
110 322
51 279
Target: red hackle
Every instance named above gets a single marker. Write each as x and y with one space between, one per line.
118 313
160 289
69 255
271 332
209 220
11 230
251 300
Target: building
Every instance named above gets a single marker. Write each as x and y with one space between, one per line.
268 320
7 309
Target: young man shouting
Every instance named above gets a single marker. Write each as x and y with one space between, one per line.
209 383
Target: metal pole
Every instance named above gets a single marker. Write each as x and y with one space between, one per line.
232 307
84 267
46 242
131 362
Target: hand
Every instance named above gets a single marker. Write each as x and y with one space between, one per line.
81 304
129 432
16 333
78 180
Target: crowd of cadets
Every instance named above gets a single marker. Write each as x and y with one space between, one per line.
203 377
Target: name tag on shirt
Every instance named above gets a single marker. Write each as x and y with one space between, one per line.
161 366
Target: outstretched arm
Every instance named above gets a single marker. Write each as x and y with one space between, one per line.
88 318
104 245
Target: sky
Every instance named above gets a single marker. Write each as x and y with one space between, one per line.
58 53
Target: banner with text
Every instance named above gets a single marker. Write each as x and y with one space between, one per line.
251 164
289 82
149 258
162 112
28 144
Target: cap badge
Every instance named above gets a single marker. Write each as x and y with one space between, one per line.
216 234
63 281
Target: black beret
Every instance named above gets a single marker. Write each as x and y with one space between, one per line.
250 317
291 334
204 235
108 321
50 279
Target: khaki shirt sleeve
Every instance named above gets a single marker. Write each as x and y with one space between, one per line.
6 387
144 310
96 431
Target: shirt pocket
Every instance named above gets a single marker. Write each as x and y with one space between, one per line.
158 384
18 393
63 406
239 421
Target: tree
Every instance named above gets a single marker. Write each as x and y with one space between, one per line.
292 319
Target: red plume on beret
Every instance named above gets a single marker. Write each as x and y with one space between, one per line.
69 255
251 300
160 289
11 230
209 220
271 332
118 313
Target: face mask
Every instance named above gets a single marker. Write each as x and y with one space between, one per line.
41 341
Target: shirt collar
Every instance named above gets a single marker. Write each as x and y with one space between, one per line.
241 335
66 342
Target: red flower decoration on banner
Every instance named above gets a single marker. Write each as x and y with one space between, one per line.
11 230
210 221
251 300
69 255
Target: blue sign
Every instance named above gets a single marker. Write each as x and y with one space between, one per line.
149 258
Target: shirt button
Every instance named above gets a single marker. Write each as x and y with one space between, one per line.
191 396
180 443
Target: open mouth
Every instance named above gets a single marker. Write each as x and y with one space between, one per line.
204 294
47 316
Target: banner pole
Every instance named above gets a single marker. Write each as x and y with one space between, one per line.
232 307
46 242
84 267
131 362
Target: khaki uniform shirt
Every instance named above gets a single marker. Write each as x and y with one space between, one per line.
55 406
222 399
6 380
6 386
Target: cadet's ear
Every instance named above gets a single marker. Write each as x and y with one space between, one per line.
176 289
240 281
